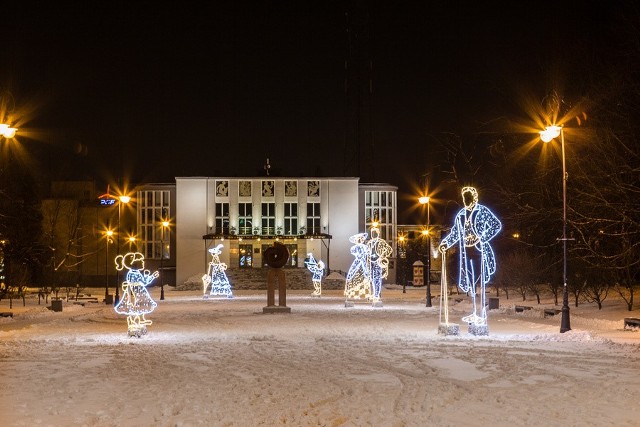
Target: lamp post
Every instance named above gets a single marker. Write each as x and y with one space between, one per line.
108 235
547 135
403 256
165 224
131 240
424 200
122 199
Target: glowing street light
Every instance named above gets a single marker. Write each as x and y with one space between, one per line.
548 135
424 200
123 199
165 225
7 131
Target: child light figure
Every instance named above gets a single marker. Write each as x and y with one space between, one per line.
216 276
474 226
358 283
135 301
317 269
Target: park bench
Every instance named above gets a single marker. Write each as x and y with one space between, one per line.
522 308
551 312
632 322
6 314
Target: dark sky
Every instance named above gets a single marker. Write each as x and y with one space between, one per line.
146 91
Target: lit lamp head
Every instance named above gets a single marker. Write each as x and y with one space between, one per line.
125 199
424 200
7 131
550 133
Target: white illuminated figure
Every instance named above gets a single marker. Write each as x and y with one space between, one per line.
358 282
378 260
474 226
135 301
216 276
317 270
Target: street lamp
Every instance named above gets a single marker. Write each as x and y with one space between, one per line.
165 224
131 240
424 200
7 131
123 199
547 135
402 252
108 235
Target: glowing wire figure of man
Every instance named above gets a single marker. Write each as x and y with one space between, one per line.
473 228
136 300
317 270
378 260
358 282
216 276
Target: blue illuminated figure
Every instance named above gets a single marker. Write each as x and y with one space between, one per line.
136 300
378 259
474 226
216 276
358 283
317 270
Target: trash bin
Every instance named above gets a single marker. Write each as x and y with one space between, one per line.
108 300
56 305
494 303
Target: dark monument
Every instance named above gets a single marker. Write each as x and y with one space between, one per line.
276 257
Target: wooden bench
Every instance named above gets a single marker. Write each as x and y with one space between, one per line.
6 314
522 308
551 312
632 322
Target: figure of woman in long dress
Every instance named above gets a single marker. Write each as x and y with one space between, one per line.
216 276
358 282
136 300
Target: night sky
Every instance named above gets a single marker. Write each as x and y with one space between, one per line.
142 91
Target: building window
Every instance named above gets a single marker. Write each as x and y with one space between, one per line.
268 218
222 218
379 207
313 218
246 256
153 208
245 218
290 219
293 256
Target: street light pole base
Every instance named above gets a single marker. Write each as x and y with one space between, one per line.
565 324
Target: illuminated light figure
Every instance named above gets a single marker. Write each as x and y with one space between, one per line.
474 226
358 282
216 276
378 260
135 301
317 270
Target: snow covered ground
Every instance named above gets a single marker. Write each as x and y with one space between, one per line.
225 363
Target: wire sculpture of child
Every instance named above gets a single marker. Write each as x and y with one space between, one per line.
136 300
317 270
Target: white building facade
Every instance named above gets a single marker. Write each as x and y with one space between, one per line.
246 215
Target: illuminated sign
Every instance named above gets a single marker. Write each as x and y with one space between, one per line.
107 202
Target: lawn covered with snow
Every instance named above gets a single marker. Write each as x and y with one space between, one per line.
222 362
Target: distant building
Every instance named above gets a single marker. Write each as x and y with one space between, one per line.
246 215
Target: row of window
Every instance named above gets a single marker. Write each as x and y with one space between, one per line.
245 260
247 226
154 207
